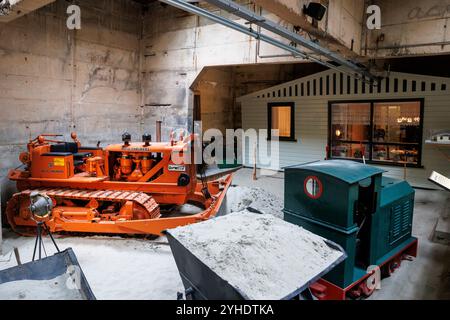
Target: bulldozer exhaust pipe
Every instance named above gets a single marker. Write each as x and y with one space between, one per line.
158 131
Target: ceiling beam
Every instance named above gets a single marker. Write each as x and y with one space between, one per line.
298 19
317 49
353 69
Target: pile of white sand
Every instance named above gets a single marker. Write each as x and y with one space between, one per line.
115 267
53 289
240 198
263 256
151 270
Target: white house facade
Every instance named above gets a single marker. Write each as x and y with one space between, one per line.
334 115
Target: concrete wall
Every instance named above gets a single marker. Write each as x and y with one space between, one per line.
53 80
340 29
345 22
411 27
178 45
216 89
13 9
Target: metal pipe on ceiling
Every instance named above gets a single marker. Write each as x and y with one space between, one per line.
186 6
271 26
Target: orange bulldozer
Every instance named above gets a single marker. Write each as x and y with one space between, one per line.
128 188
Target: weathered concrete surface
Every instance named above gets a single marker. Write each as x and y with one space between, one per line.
53 80
177 46
219 86
346 22
411 27
13 9
216 88
340 28
441 232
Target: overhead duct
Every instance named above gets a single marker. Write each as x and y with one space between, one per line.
254 18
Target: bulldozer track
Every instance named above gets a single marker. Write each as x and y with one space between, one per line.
141 198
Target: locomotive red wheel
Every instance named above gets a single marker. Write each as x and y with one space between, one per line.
394 265
363 289
391 267
367 287
354 293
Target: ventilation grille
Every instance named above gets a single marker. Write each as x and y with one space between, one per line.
401 217
340 84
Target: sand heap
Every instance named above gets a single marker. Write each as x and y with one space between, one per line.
261 255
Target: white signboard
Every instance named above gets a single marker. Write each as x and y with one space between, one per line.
175 167
440 180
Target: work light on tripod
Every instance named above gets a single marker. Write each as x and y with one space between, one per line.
40 206
41 210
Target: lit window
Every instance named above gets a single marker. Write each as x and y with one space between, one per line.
281 118
387 132
350 126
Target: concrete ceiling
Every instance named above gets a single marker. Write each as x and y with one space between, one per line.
17 8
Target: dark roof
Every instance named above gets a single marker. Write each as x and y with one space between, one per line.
345 170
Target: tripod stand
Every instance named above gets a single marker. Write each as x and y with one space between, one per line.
39 244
